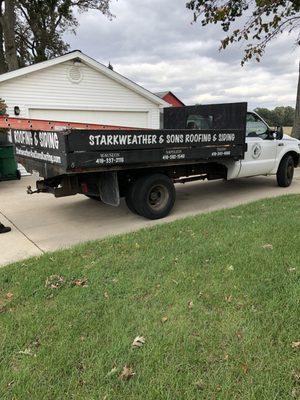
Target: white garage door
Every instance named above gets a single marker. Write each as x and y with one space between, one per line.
124 118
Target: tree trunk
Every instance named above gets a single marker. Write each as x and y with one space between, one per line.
3 65
296 127
8 22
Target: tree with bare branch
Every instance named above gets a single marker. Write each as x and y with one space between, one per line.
255 22
36 28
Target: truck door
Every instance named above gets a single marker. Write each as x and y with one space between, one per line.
260 156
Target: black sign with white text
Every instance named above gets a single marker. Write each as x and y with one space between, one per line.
46 146
144 139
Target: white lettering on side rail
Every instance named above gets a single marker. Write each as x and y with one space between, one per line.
23 137
48 140
150 139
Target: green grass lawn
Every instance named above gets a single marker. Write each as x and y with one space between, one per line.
216 298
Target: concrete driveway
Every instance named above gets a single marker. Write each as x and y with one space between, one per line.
42 223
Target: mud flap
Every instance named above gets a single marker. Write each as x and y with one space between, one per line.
109 188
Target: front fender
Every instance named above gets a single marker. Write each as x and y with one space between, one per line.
287 150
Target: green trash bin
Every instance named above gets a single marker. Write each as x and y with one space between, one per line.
8 165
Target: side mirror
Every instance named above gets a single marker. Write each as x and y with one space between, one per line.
279 132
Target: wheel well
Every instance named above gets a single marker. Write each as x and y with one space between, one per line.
295 156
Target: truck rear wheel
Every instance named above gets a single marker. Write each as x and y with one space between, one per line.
154 196
285 171
130 197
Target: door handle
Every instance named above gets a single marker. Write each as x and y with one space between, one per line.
280 144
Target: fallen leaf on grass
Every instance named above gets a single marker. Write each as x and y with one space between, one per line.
9 296
10 384
80 282
190 304
296 345
268 246
292 269
81 367
139 341
36 343
81 382
239 335
245 368
27 352
199 385
296 376
106 295
229 298
54 281
164 319
226 357
127 373
230 268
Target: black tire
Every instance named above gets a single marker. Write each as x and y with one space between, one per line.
130 197
285 171
96 198
154 196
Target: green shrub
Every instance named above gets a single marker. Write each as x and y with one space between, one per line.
3 107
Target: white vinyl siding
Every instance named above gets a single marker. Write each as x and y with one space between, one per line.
48 93
123 118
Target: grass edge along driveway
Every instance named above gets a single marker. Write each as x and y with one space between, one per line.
214 297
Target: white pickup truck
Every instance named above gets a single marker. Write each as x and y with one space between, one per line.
216 141
269 152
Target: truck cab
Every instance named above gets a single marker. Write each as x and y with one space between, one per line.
266 149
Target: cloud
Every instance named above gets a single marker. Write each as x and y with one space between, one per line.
154 43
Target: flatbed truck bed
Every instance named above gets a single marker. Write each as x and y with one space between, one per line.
108 164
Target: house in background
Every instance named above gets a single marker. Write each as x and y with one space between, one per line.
76 88
170 98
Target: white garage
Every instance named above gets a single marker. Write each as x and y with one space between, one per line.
76 88
126 118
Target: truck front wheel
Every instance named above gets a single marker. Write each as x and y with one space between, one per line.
153 196
285 171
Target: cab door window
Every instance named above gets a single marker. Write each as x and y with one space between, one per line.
256 127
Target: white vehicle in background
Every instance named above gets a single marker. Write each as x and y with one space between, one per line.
269 152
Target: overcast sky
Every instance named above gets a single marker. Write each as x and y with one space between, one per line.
154 43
